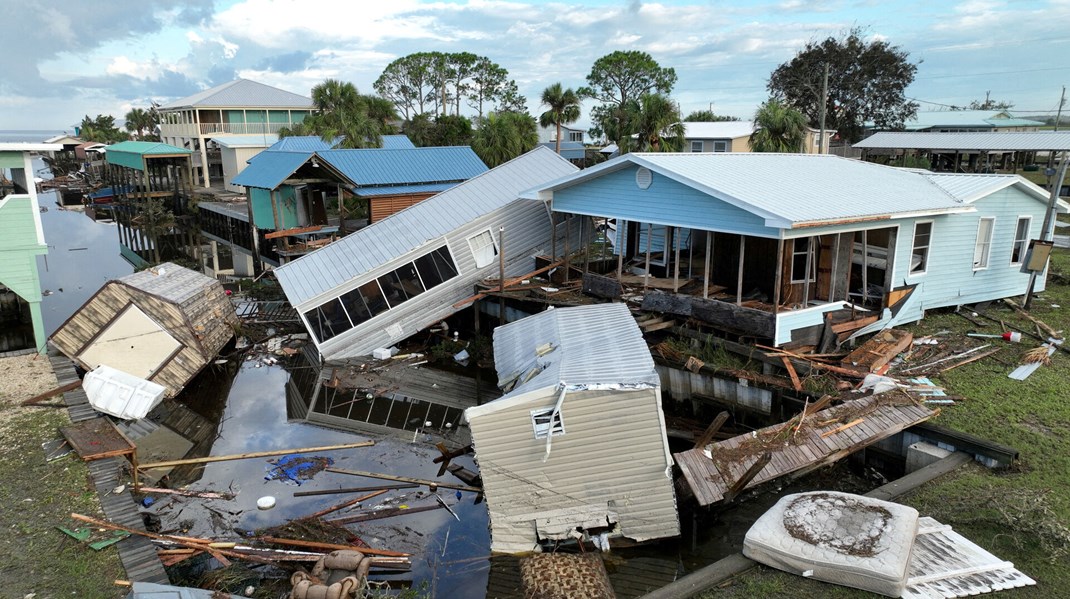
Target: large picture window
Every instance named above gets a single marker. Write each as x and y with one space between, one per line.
483 248
919 255
983 245
1021 239
376 296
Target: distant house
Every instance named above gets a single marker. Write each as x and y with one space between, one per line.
162 324
969 121
734 136
22 239
235 152
69 143
239 107
772 245
399 275
967 152
577 446
573 134
573 151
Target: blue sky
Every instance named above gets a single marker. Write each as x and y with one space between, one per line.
75 57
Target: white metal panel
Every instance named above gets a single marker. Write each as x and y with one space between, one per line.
1006 141
121 394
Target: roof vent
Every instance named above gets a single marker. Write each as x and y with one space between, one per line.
643 177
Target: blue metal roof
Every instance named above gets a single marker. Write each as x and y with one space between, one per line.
267 170
401 167
391 190
570 150
302 143
397 142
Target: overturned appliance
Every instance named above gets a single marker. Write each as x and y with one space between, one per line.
120 394
577 446
163 325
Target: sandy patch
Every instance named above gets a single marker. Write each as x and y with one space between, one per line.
21 377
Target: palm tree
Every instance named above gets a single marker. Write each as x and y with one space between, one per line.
138 121
564 107
778 128
658 124
504 136
344 113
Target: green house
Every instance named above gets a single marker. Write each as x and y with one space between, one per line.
22 238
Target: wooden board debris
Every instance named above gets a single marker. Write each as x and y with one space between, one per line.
874 354
97 439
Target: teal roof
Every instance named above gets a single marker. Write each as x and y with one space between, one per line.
131 154
267 170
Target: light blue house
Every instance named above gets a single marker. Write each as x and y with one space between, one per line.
780 247
22 238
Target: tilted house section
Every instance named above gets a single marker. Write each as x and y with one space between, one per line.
397 276
162 324
767 245
579 440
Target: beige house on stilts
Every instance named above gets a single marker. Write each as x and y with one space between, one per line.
577 447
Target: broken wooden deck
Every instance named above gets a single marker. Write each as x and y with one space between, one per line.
710 478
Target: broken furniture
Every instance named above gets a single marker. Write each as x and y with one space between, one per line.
874 545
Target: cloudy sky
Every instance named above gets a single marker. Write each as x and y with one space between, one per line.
73 57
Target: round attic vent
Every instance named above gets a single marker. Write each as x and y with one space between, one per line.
643 177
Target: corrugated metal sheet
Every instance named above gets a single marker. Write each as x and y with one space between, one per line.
403 232
944 564
131 153
390 190
246 141
242 93
1006 142
397 142
170 282
596 344
267 170
967 118
302 143
968 188
721 130
398 167
788 189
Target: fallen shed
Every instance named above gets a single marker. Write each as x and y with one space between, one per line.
401 274
163 324
577 447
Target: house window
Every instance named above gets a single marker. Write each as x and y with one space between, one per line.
327 320
919 256
983 245
696 146
800 249
483 248
720 146
547 422
575 136
1021 239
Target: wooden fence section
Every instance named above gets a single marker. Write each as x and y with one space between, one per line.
824 437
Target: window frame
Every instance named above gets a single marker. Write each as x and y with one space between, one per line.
700 144
813 261
914 248
720 143
986 246
551 428
493 244
1023 242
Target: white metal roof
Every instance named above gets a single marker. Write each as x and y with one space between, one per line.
718 130
242 93
404 231
594 345
169 281
790 190
1005 141
967 187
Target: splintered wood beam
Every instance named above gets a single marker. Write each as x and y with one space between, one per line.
838 429
510 283
36 399
791 372
293 231
711 430
330 546
748 476
343 505
257 454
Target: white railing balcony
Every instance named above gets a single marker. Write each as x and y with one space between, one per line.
242 128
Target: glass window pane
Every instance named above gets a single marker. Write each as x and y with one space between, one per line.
328 320
392 289
410 281
354 304
373 298
445 263
428 271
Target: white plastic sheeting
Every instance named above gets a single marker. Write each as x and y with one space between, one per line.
120 394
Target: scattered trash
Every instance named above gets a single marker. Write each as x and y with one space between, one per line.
381 353
265 503
1012 336
295 468
56 449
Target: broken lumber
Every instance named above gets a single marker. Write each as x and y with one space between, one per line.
795 382
385 513
256 454
1036 321
947 359
838 429
331 546
406 479
183 493
970 359
36 399
748 476
352 490
509 283
711 430
343 505
814 363
293 231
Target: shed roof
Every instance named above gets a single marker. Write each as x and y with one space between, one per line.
1000 141
267 170
241 93
170 282
718 130
131 154
594 345
790 190
246 141
378 166
570 150
404 231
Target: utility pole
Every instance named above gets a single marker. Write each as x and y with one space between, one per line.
1059 113
1049 216
824 102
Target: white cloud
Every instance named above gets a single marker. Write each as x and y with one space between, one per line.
122 65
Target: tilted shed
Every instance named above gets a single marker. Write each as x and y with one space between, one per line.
579 441
163 324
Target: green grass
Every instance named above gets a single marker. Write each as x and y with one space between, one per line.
1022 514
36 497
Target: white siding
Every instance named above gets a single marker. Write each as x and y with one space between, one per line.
612 458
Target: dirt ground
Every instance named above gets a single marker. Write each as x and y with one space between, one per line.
36 496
